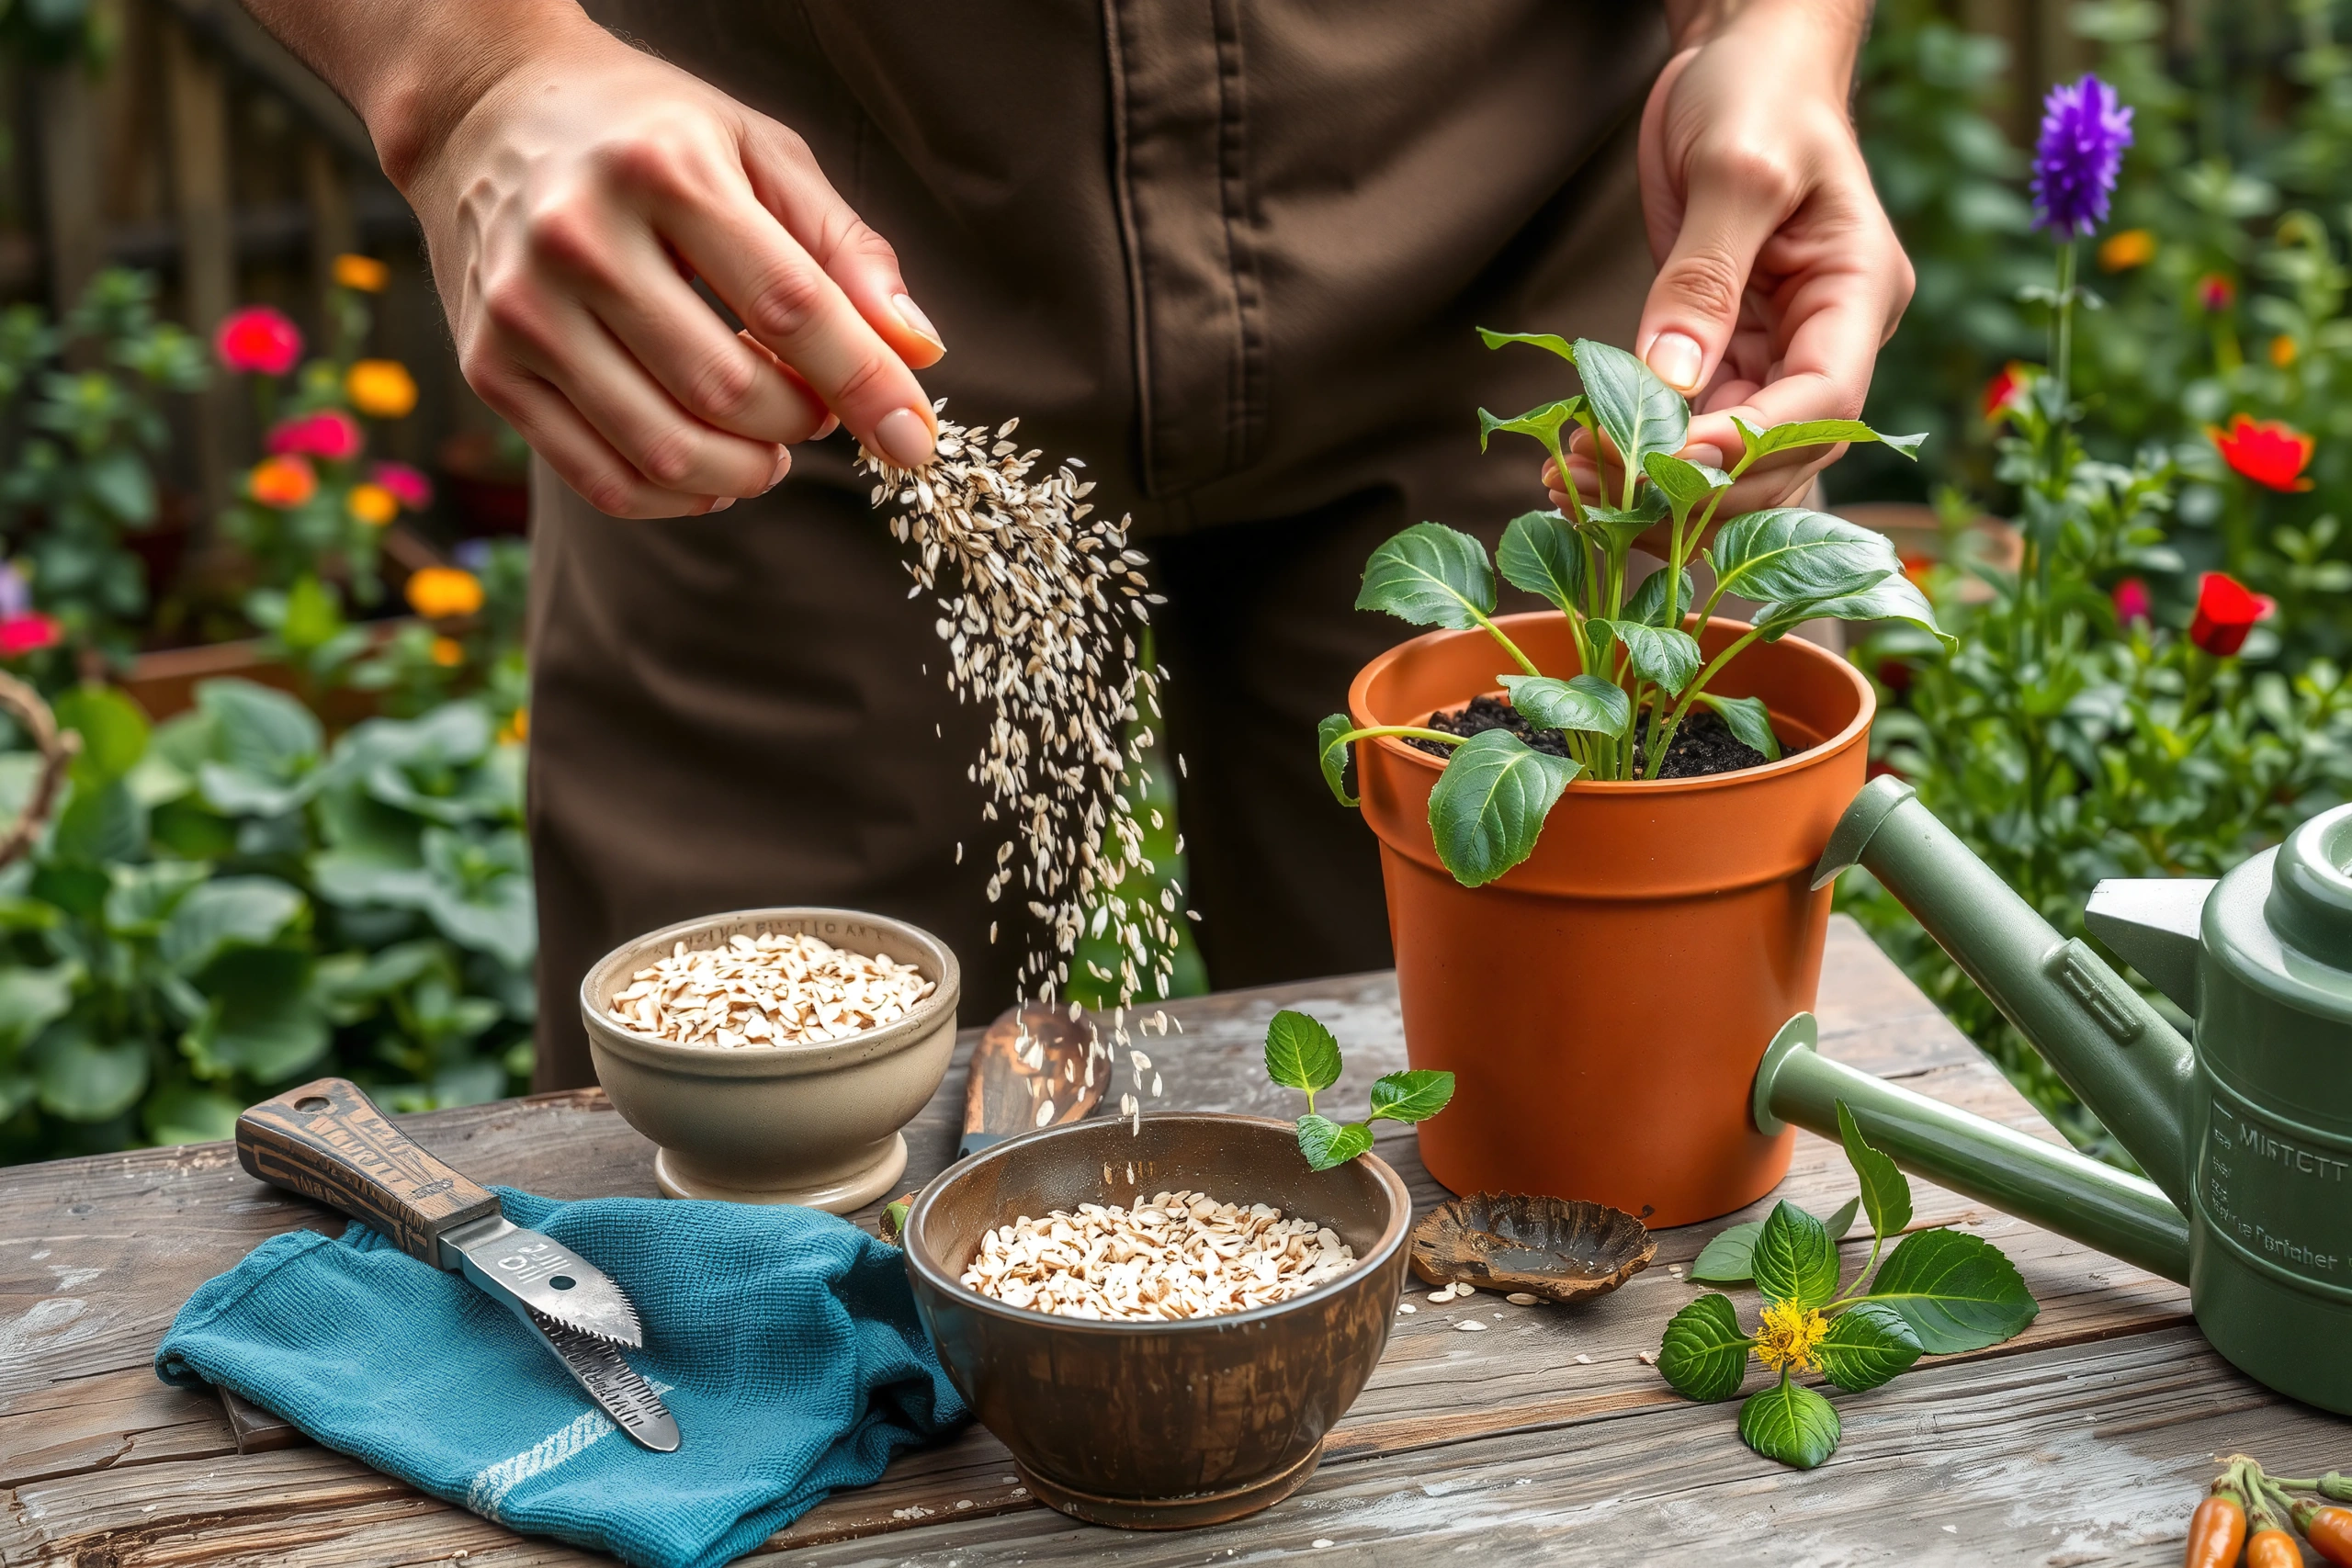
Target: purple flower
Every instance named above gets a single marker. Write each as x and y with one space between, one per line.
2085 129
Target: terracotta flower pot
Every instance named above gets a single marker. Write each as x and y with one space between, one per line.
1603 1005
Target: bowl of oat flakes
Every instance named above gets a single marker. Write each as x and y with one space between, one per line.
773 1056
1161 1318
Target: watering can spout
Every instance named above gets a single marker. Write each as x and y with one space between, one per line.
2111 1047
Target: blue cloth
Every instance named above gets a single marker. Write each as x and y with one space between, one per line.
784 1340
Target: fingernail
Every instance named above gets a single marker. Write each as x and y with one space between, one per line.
905 438
1707 453
1676 359
917 323
783 467
721 504
833 423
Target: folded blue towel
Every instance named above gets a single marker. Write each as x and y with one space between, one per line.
784 1340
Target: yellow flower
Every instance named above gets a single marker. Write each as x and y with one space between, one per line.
442 592
380 389
448 652
1789 1337
365 274
516 729
373 504
2128 248
2283 351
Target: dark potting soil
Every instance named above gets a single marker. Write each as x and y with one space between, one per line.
1703 744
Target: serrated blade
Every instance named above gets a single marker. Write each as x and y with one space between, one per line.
619 1390
534 1273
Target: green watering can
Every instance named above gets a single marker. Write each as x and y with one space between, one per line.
2247 1136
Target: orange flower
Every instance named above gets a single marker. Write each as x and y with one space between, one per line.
367 274
2270 452
380 389
373 504
2283 351
282 481
442 592
448 652
2128 248
515 729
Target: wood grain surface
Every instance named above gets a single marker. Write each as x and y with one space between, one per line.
2086 1440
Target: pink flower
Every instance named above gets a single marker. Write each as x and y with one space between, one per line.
413 490
330 433
29 633
2134 603
258 339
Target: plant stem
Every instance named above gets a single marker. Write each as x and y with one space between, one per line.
1409 731
1659 743
1509 647
2062 352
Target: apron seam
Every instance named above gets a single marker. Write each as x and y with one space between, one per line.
1123 191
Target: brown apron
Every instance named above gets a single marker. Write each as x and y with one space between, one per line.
1231 255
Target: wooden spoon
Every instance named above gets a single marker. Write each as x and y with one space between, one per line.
1032 1068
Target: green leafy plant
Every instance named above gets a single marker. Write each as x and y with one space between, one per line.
1303 1055
1939 1292
1641 666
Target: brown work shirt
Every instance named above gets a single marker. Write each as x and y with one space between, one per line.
1232 255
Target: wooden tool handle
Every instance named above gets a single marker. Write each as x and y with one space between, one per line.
327 1140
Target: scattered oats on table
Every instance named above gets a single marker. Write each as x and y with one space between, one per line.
1182 1255
771 990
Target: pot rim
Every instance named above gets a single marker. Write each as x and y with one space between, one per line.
1865 710
938 962
925 1266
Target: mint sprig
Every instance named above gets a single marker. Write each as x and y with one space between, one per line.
1303 1055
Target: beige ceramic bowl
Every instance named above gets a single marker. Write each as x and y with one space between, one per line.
811 1124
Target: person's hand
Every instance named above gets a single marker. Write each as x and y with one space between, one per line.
1779 278
567 210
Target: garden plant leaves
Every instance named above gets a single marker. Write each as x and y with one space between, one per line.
1640 413
1666 656
1887 1192
1334 756
1326 1142
1819 433
1789 1423
1705 1355
1581 702
1301 1053
1729 1258
1749 721
1489 805
1430 575
1956 1291
1412 1096
1541 554
1795 1260
1867 1344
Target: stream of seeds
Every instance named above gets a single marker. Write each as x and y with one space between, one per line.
1182 1255
1039 623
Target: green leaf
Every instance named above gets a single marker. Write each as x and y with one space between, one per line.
1648 604
1791 1424
1686 484
1326 1142
263 1019
1957 1292
118 481
1887 1193
1334 756
100 824
1703 1355
1552 340
1544 423
1541 554
225 913
84 1081
1795 1260
1300 1052
260 729
1820 432
31 998
1414 1096
1640 413
1667 655
479 894
1430 575
1749 721
1867 1344
1619 528
182 1113
143 896
1490 804
113 730
1729 1258
1792 553
1839 1223
314 615
1584 702
1892 598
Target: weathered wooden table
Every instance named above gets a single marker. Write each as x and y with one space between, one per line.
2086 1439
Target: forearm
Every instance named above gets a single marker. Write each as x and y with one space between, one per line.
1828 32
413 68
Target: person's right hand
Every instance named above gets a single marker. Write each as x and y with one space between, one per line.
568 210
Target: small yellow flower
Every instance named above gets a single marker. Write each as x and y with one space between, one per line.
380 389
373 504
518 728
365 274
1788 1337
2283 351
448 652
2128 248
442 592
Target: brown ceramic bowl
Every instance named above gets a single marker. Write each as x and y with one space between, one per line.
1160 1426
814 1124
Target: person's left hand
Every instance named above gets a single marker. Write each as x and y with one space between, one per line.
1779 278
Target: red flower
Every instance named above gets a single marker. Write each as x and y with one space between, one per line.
412 489
2007 388
2216 293
330 433
29 633
2133 601
2226 611
258 339
2270 452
